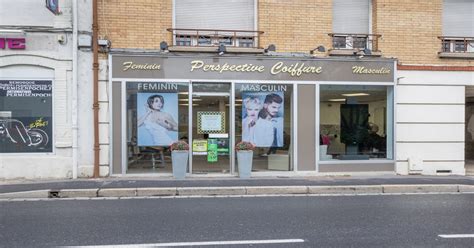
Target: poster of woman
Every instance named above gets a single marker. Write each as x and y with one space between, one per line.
157 115
262 118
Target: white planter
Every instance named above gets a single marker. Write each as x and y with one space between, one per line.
244 161
179 160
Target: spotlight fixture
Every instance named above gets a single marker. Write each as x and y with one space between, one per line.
320 49
367 51
362 52
163 46
270 48
221 50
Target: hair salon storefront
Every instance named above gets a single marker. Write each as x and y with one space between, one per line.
302 113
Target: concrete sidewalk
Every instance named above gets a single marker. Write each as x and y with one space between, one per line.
148 186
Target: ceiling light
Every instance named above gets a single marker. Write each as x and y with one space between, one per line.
356 94
337 100
185 104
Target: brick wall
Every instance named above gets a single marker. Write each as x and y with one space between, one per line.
409 29
135 23
295 26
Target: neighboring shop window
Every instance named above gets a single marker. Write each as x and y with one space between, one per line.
356 122
264 117
26 116
156 117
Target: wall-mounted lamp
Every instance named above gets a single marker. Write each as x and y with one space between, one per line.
270 48
363 52
163 46
320 49
221 50
104 45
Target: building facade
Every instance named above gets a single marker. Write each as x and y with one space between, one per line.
42 74
319 86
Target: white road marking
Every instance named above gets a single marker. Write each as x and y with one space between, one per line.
456 236
231 242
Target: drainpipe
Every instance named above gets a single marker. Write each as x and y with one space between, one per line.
74 90
95 72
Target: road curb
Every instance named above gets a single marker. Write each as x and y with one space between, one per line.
362 189
241 190
26 194
426 188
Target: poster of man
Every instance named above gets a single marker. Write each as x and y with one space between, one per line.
157 115
262 118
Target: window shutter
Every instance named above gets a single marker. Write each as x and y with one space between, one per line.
210 14
458 18
351 16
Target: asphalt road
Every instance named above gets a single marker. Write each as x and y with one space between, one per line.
303 221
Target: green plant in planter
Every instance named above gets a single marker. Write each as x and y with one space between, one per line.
244 146
179 145
244 158
179 158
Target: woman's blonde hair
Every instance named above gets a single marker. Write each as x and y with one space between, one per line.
251 100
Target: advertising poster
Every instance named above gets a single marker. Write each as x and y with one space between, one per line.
26 116
222 146
157 118
262 118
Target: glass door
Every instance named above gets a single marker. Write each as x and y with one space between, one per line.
210 128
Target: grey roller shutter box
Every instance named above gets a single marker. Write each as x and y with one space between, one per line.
351 16
211 14
458 18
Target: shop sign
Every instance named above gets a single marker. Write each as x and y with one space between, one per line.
13 43
252 68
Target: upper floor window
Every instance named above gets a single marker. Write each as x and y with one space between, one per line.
351 17
351 26
458 26
211 23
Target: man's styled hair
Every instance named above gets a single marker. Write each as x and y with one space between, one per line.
152 98
268 100
273 98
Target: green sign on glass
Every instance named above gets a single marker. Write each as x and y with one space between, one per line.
212 150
